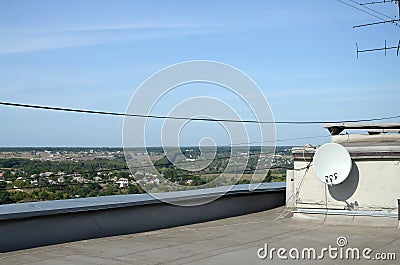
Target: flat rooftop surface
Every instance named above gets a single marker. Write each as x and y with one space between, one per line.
233 240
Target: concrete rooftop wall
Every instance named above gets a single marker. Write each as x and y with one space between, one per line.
372 188
36 224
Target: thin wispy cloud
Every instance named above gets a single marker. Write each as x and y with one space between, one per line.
31 41
31 38
329 92
109 27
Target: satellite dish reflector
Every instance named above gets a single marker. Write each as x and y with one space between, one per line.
332 163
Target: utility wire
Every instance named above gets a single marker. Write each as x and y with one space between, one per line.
360 9
277 140
187 118
373 10
369 13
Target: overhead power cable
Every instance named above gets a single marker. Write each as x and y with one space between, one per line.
187 118
369 13
277 140
373 10
360 9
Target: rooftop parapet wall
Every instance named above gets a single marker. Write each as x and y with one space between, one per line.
36 224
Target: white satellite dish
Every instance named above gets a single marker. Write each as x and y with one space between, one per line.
332 163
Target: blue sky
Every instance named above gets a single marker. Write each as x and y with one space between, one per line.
95 54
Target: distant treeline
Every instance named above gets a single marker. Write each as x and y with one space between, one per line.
223 149
59 149
38 166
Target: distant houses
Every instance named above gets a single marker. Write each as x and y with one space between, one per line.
46 174
122 182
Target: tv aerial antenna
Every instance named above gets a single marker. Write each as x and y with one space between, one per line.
380 49
385 20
